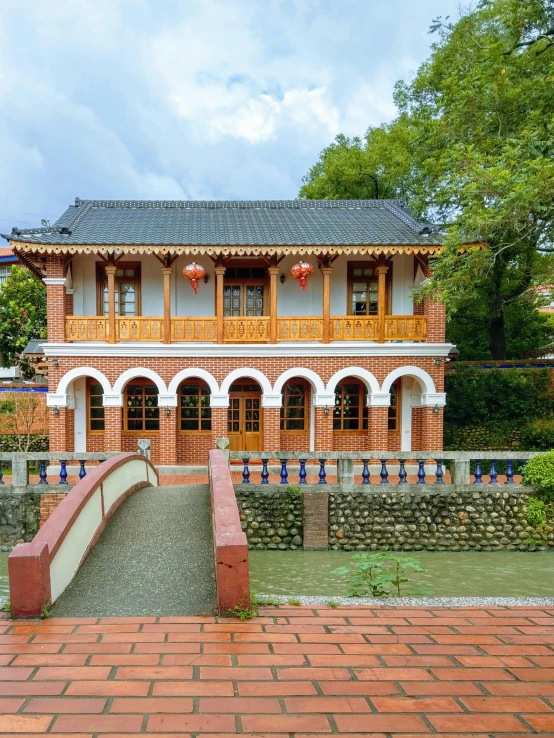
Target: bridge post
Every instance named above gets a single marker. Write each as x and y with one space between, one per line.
20 475
223 445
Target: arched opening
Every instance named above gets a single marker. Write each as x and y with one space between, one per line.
350 415
296 415
141 414
194 421
245 415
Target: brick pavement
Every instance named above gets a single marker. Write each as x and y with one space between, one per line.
293 671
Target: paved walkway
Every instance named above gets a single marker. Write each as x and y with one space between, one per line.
291 672
155 557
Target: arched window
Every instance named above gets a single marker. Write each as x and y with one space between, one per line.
141 406
293 411
350 411
95 408
394 407
195 413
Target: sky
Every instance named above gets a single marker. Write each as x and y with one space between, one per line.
190 99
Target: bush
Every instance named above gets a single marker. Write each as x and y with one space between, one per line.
539 472
10 443
538 435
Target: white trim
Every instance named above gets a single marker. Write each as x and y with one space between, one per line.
56 281
219 401
83 371
192 373
70 290
249 373
56 399
167 400
353 371
313 378
425 379
324 400
272 400
430 399
112 399
215 350
130 374
379 399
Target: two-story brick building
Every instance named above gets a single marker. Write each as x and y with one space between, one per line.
350 363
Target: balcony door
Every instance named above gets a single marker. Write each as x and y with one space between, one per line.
244 418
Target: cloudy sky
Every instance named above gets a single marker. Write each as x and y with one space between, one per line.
190 99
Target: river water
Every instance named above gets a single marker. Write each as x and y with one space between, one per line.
460 574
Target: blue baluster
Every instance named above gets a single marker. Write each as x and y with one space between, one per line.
322 472
384 473
421 472
245 472
1 475
284 472
302 473
439 473
478 473
265 473
402 475
82 470
509 472
63 472
494 473
42 473
523 465
365 472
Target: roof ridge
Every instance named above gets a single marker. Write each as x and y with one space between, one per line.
246 204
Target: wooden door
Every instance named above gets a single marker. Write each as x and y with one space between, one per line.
244 422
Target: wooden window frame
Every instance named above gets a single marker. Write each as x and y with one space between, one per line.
363 413
101 279
253 281
397 408
283 419
198 431
351 265
144 383
90 383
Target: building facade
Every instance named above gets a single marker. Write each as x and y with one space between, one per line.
349 363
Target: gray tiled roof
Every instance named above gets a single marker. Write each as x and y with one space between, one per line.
234 222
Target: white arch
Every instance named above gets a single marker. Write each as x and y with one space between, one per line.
122 380
425 380
246 371
312 377
82 371
354 371
197 374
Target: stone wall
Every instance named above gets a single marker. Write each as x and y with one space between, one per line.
494 436
272 520
19 518
487 520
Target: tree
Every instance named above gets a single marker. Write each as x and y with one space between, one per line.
22 316
473 150
23 418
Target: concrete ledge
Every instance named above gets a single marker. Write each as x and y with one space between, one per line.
230 544
373 490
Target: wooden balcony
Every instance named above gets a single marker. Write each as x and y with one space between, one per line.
247 329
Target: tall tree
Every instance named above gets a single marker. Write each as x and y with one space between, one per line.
22 316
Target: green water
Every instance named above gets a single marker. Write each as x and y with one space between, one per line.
460 574
4 588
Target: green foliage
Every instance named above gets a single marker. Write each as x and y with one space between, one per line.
6 607
245 610
295 493
538 435
46 611
22 317
378 574
477 396
10 443
295 602
333 604
539 472
535 512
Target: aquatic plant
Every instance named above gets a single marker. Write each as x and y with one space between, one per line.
379 574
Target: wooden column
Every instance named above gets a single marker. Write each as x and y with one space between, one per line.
382 307
110 273
219 274
167 271
273 274
326 272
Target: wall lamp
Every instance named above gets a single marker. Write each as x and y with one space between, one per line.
326 410
206 279
55 361
56 410
282 278
438 360
436 409
167 410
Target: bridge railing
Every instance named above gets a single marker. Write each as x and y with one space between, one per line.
230 544
40 571
17 468
458 468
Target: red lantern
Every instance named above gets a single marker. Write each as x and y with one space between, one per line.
302 271
194 272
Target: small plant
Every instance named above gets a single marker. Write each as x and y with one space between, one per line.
539 472
294 602
6 607
243 611
332 603
295 493
379 574
535 512
46 611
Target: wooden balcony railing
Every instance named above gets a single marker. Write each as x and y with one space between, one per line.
248 330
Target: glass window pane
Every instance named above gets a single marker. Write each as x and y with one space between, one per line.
153 425
206 425
134 425
97 425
